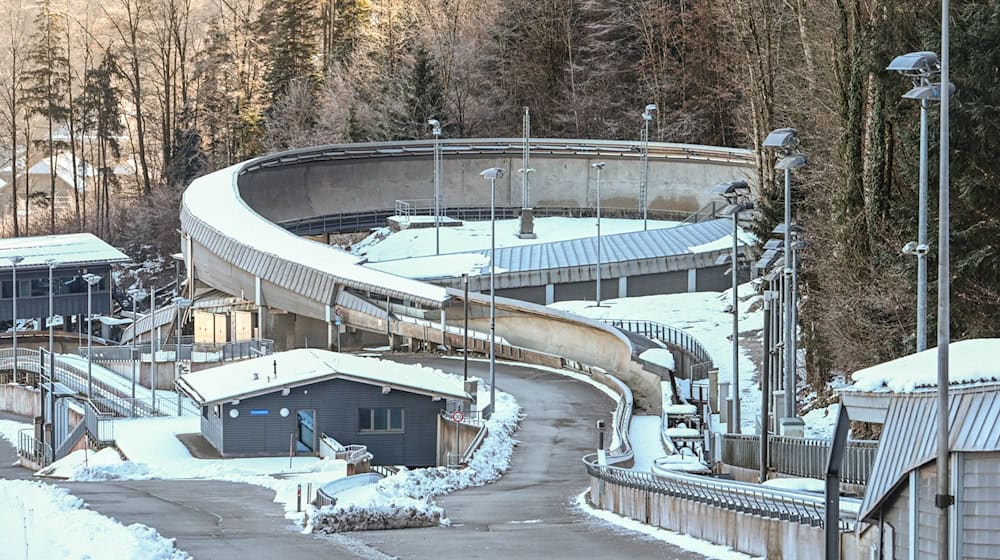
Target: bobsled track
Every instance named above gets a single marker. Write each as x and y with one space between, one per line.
233 240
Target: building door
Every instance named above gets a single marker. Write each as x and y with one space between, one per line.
306 431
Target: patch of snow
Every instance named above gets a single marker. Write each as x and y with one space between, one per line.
680 409
969 361
820 422
42 521
9 430
682 432
79 463
682 462
745 239
796 484
659 356
686 542
644 435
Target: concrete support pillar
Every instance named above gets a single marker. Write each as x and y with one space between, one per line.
550 294
779 405
259 301
329 328
692 280
724 401
623 287
444 326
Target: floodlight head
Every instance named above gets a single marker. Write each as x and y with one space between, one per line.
651 107
436 130
923 249
51 262
782 139
791 162
492 174
15 259
528 170
910 248
930 92
91 279
916 64
598 165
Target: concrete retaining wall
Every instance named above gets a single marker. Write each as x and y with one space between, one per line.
20 400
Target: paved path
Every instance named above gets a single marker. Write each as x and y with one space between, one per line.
528 513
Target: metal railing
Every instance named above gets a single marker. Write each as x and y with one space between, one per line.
32 450
100 425
353 453
747 498
189 351
801 457
671 336
708 212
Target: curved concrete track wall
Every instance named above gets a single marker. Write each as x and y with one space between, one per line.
232 244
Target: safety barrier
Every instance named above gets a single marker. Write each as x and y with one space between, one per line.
189 351
31 450
801 457
672 336
752 499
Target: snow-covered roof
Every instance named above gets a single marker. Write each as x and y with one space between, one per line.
294 368
64 169
74 249
969 361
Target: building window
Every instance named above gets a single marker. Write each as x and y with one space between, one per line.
39 287
380 419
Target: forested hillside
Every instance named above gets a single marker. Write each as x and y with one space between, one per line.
137 97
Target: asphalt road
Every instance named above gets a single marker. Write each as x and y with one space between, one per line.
527 514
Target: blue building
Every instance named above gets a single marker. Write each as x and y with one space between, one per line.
262 406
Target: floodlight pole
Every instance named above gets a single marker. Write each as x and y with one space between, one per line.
598 166
525 157
943 500
436 131
922 232
13 267
789 302
644 183
52 369
152 346
465 337
735 426
493 267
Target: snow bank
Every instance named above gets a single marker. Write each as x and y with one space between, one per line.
10 428
796 484
659 356
969 361
644 435
42 521
680 409
86 464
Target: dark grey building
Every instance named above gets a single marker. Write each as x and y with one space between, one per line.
264 406
71 257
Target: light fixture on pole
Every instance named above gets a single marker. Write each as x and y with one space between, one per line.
647 116
154 341
436 131
923 68
525 158
737 194
599 166
182 304
14 261
784 141
491 175
91 280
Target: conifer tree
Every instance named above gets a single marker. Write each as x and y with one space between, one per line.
291 49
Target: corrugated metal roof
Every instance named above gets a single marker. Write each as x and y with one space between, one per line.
164 316
909 438
75 249
650 247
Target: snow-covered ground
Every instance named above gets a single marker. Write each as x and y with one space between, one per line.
644 435
10 428
704 316
383 245
166 401
42 521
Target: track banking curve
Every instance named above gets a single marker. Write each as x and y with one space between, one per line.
231 243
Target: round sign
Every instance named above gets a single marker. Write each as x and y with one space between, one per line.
283 412
234 413
457 416
340 312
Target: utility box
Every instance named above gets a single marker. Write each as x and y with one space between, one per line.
792 427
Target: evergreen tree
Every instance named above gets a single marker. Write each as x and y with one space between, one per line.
343 22
188 161
290 45
48 79
424 99
101 112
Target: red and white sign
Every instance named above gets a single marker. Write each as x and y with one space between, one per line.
457 416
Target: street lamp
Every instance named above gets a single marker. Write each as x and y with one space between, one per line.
647 116
436 131
14 261
491 175
784 141
599 166
182 304
736 194
923 68
91 280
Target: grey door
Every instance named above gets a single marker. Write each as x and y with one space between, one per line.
306 431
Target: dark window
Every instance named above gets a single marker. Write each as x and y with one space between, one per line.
380 419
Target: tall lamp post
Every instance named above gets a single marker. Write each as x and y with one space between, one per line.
14 261
784 141
647 116
491 175
599 166
52 370
91 280
436 131
735 193
182 304
136 294
923 68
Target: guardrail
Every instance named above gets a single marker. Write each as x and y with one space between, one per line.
100 425
802 457
752 499
368 219
198 352
32 450
671 335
